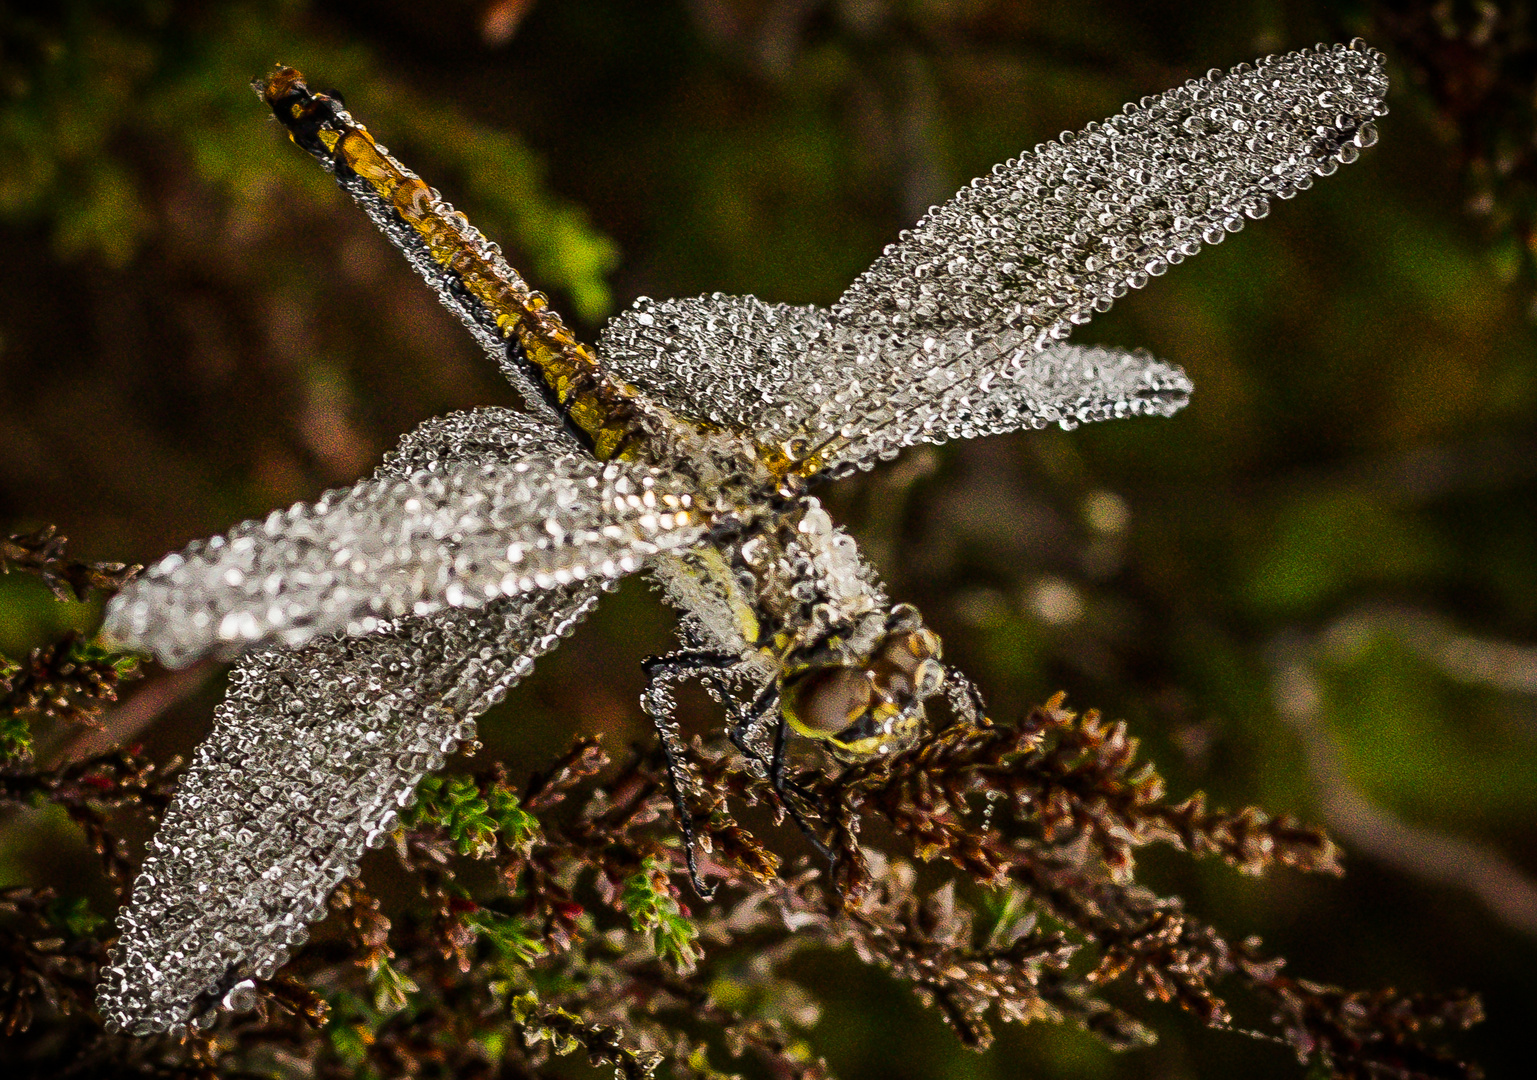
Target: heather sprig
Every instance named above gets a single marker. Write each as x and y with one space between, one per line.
574 942
648 897
41 552
70 680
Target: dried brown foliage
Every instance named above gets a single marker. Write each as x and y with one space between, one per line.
547 920
1079 807
89 791
68 680
42 553
1362 1035
41 964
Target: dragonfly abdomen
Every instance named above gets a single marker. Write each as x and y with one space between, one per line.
606 415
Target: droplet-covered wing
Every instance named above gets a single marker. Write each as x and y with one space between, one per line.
728 360
1005 269
312 751
1062 384
418 537
313 755
737 362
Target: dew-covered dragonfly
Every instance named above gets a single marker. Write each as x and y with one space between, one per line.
373 625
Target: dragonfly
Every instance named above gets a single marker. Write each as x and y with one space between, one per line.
371 626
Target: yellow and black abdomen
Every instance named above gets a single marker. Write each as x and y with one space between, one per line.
603 413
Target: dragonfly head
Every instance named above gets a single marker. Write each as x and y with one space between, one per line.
871 703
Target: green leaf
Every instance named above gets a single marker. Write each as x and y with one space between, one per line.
15 737
648 900
350 1042
392 989
515 939
75 915
472 818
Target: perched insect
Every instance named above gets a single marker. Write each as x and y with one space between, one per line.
377 622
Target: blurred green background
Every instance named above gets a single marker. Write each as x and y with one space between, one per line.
1315 589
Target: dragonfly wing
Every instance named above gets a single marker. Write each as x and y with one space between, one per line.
313 754
1062 384
941 396
727 360
1015 260
517 513
770 369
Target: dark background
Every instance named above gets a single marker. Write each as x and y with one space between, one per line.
1312 590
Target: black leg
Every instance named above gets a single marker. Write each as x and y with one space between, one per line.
678 664
742 722
789 792
777 765
658 705
786 790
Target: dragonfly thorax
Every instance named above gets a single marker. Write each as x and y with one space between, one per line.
799 607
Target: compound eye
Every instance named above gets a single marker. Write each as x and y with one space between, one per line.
927 680
829 701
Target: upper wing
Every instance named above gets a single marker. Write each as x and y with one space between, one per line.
1019 257
472 508
312 755
1066 385
727 360
1053 236
769 369
955 328
964 384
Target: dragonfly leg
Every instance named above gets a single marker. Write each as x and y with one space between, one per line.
784 788
787 787
661 671
742 722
